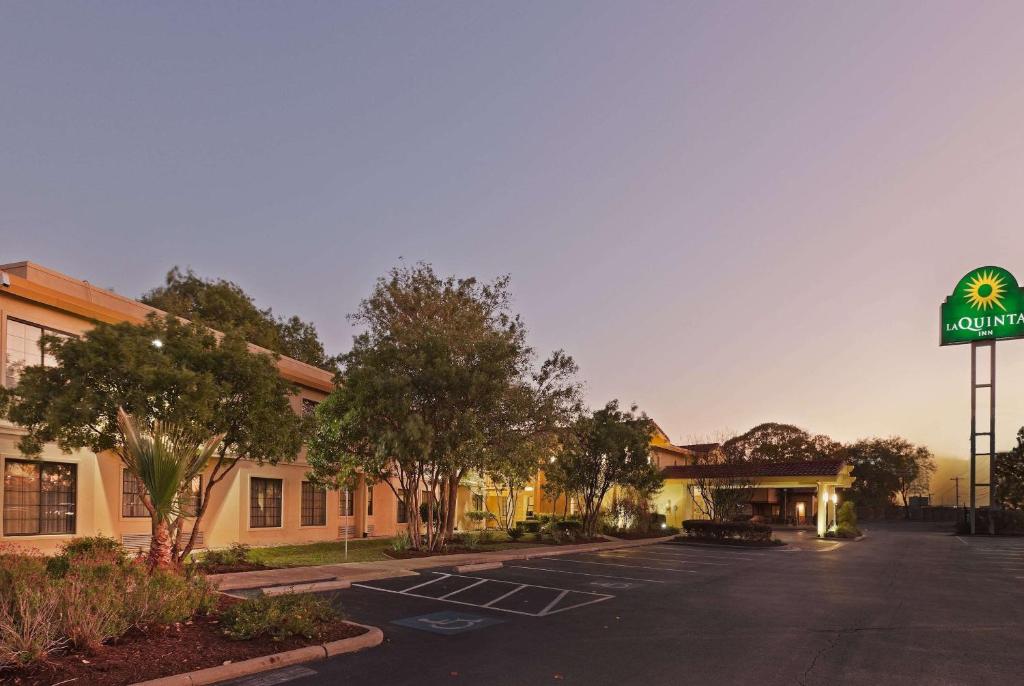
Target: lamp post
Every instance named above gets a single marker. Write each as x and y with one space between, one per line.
835 512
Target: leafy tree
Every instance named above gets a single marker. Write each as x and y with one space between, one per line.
192 379
606 448
717 494
773 442
886 467
164 459
440 384
223 305
1010 475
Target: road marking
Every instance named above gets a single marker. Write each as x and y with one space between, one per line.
611 564
425 583
279 676
506 595
657 559
606 576
963 541
466 588
562 593
554 602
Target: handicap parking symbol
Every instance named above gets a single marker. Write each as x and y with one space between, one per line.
447 623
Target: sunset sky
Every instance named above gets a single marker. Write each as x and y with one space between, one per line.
727 212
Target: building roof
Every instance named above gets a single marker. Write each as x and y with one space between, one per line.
701 447
754 469
51 288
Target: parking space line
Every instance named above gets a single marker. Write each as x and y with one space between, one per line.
716 556
680 560
466 588
506 595
606 576
554 602
578 605
612 564
427 597
425 583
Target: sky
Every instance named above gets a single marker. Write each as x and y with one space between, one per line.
727 212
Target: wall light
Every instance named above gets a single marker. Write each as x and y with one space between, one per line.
157 343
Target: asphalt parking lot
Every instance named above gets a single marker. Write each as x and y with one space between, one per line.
907 604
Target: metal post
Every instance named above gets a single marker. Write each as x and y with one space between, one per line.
974 426
991 433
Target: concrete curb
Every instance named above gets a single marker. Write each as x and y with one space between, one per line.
314 587
211 675
479 567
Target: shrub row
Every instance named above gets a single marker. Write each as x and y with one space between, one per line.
741 531
90 593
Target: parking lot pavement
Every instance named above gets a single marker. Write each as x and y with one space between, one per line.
904 605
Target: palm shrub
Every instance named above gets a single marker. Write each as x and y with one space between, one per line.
165 459
846 521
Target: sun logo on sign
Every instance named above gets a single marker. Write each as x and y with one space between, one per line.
985 291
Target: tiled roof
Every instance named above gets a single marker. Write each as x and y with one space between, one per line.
701 447
754 469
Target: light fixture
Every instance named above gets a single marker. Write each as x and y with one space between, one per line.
157 343
664 525
835 498
552 458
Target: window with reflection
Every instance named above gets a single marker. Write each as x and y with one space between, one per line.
39 498
24 348
264 503
314 505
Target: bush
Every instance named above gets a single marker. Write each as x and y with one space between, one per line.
562 530
530 526
29 610
468 540
1008 522
278 617
516 532
401 542
235 554
480 516
99 596
85 547
485 537
846 521
723 531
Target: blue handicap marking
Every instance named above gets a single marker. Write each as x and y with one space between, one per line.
447 623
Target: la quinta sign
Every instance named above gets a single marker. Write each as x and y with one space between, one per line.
987 304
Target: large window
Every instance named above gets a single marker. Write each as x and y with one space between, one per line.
131 495
264 503
24 348
314 505
403 510
346 509
478 502
39 498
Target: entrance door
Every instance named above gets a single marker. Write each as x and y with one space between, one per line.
801 512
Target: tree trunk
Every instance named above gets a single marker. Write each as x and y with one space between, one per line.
449 513
160 545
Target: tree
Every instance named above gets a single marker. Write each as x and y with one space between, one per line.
439 385
223 305
606 448
717 492
192 379
886 467
1010 475
165 460
773 442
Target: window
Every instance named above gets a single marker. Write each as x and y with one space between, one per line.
132 491
403 509
346 502
193 499
264 503
39 498
308 407
314 505
25 349
478 502
369 501
529 506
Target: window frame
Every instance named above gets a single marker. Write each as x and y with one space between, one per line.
42 355
346 502
401 508
40 465
369 500
280 509
311 490
125 474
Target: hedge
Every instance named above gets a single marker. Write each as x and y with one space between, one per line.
743 531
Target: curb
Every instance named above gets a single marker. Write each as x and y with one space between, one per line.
479 567
210 675
312 587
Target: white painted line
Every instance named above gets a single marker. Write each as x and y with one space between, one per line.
506 595
962 541
649 551
515 583
573 607
610 564
681 561
449 595
456 602
425 583
553 603
606 576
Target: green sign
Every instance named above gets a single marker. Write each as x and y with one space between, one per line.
987 304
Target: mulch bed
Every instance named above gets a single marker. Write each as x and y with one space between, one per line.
163 651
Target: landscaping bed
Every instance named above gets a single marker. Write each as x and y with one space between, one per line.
164 651
735 542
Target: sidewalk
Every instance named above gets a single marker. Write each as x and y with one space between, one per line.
385 569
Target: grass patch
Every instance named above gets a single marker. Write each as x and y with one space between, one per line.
325 553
